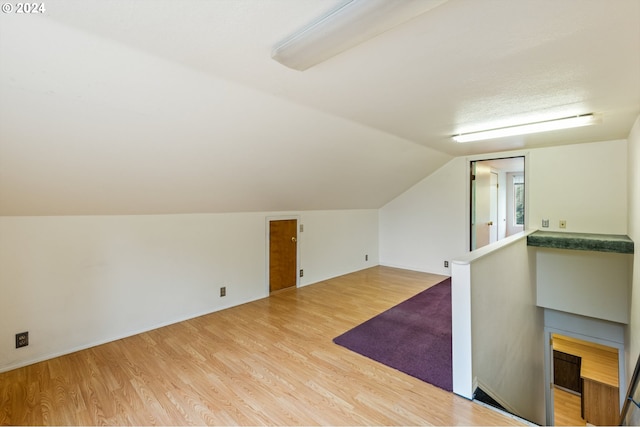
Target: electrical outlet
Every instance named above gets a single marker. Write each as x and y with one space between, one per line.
22 339
301 273
563 223
302 228
366 257
223 291
446 264
545 223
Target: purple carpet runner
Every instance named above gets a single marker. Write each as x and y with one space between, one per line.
413 337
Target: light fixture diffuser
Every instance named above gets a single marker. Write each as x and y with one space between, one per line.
349 24
536 127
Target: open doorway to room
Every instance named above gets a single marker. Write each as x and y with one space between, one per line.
585 382
497 204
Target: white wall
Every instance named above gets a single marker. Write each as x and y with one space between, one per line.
584 184
77 281
571 281
427 224
336 242
633 330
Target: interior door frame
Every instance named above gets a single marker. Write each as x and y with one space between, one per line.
510 226
548 364
467 178
496 207
268 220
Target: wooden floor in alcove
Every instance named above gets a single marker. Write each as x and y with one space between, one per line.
566 408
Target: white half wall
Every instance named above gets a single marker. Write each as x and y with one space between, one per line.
78 281
497 327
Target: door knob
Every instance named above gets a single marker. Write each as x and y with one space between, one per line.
293 239
490 223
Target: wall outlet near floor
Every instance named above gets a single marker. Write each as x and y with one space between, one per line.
301 273
545 223
563 223
223 291
22 339
366 257
446 264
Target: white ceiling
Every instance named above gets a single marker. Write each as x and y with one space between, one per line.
168 106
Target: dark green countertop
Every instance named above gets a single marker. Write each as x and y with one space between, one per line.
582 241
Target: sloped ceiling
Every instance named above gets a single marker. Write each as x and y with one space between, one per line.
152 106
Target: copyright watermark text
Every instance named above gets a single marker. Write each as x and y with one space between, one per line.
24 8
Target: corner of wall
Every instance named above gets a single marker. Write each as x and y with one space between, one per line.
633 202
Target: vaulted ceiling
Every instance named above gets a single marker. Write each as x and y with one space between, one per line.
169 106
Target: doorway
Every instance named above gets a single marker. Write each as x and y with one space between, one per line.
497 199
584 382
283 254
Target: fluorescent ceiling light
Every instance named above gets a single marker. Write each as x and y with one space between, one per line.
544 126
349 24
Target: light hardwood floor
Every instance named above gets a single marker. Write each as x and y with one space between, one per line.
269 362
566 408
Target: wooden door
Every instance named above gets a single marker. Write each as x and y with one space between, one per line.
283 250
566 371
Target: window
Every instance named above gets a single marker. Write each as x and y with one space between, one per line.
518 199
